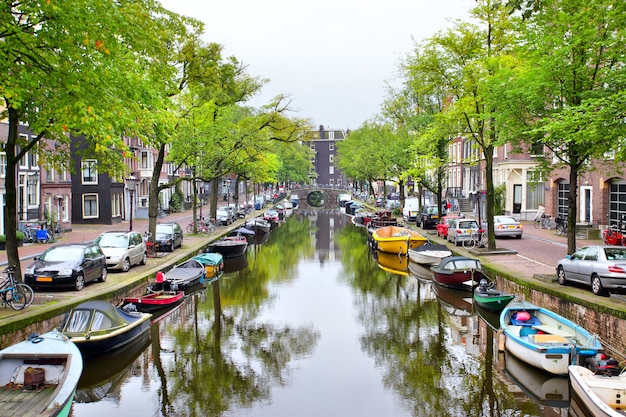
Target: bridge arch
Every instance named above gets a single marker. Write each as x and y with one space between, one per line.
308 197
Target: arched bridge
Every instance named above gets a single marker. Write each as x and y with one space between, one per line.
319 197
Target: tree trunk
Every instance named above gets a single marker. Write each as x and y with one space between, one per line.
153 192
490 197
10 215
572 197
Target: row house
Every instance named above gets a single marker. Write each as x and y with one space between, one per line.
601 192
323 142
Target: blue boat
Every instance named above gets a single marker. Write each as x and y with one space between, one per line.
545 339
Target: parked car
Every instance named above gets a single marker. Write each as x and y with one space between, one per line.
169 236
602 267
462 229
444 224
123 249
223 216
410 210
507 226
428 216
67 266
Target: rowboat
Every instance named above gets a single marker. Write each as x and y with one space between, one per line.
458 272
38 376
601 395
153 302
98 326
545 339
490 298
229 246
429 254
396 239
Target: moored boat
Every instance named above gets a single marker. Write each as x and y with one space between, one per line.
154 302
490 298
38 376
229 246
429 254
397 239
545 339
458 272
98 326
258 225
601 395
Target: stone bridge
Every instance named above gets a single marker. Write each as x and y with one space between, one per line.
318 197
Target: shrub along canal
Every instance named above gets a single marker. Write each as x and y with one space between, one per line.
311 324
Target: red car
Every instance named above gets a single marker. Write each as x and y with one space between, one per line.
442 226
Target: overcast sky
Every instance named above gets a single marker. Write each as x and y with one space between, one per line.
333 58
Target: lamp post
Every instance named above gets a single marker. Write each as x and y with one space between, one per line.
131 183
228 191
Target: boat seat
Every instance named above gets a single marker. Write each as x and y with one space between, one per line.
553 330
548 339
515 330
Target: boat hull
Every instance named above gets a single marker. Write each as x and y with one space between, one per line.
601 395
155 302
491 299
458 272
228 248
545 339
429 254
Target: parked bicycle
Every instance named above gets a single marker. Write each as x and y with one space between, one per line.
480 239
561 225
10 292
545 221
25 289
57 230
203 226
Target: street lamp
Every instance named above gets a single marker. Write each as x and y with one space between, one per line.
228 191
131 184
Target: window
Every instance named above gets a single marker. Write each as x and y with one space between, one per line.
331 169
116 205
331 158
32 190
535 193
617 202
563 194
3 165
331 146
331 135
90 173
90 206
146 161
49 174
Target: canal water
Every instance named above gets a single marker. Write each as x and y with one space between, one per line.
313 323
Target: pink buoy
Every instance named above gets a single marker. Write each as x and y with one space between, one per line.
523 316
160 277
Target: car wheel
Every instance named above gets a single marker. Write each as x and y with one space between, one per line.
180 245
172 247
79 284
518 236
125 265
560 275
596 285
103 274
144 258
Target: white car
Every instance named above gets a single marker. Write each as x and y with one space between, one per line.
123 249
462 229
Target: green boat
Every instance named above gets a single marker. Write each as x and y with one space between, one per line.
487 297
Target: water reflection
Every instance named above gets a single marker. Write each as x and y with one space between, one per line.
313 325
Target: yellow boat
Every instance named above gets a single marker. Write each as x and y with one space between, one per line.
397 239
391 262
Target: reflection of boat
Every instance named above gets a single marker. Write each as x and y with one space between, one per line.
38 376
456 302
102 373
98 326
236 263
229 246
396 264
490 298
396 239
154 302
491 318
546 340
599 394
429 254
541 387
420 271
458 272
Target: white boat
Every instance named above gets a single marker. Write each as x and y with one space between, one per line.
38 377
546 340
601 394
429 254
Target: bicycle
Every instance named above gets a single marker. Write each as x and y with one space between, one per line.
544 222
479 239
10 293
25 289
561 225
57 231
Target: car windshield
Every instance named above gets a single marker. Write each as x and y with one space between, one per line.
468 225
615 254
431 209
507 220
62 254
113 241
164 228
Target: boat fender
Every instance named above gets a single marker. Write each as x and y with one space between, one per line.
160 277
522 316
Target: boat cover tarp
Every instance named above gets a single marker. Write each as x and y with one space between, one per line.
209 258
106 316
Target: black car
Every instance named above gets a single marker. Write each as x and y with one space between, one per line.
169 236
63 266
429 216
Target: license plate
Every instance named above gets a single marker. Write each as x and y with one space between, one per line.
44 279
510 227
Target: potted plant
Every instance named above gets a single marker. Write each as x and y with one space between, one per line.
20 237
3 242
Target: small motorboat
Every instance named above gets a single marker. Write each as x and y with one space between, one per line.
245 232
259 225
459 272
196 270
229 246
38 376
98 326
486 296
601 395
153 302
545 339
396 239
429 254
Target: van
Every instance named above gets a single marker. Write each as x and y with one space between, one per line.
410 210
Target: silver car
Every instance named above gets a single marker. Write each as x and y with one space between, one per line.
122 249
602 267
462 229
507 226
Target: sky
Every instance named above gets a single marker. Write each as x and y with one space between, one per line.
334 59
